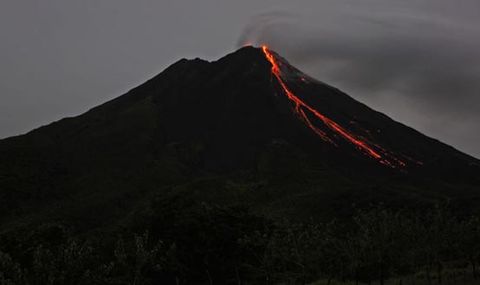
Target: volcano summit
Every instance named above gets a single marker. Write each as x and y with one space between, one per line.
247 128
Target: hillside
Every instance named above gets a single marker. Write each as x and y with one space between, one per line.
226 132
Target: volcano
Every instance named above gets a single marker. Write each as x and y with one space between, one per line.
248 128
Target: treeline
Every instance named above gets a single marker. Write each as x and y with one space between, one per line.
180 241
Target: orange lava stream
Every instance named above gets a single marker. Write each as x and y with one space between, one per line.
299 104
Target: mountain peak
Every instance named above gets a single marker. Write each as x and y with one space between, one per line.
249 116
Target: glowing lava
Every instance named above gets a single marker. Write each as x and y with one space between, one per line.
301 108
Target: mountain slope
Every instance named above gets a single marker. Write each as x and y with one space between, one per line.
226 131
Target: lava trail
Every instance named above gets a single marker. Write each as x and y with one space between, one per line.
302 107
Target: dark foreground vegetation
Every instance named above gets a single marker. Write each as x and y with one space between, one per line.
223 132
180 241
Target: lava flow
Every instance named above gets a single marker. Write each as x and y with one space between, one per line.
302 107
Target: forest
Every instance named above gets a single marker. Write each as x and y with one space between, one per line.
178 240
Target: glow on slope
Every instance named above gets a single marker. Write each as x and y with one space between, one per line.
376 153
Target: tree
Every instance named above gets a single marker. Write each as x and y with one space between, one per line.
469 242
10 271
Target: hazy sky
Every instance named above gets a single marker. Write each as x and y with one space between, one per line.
417 61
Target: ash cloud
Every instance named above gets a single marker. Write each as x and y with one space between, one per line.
259 26
418 62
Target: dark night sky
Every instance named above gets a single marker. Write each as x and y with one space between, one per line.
416 61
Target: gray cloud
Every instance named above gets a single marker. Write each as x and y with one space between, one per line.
416 60
418 64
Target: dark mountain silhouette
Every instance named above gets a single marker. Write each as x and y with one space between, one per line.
227 132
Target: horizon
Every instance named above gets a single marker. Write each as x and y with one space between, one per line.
260 47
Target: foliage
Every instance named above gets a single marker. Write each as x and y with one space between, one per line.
186 242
